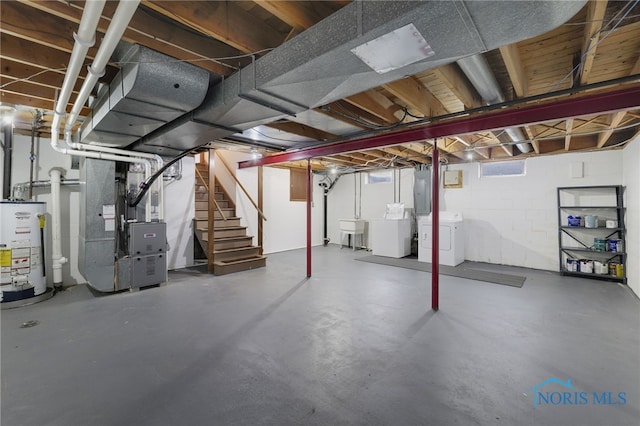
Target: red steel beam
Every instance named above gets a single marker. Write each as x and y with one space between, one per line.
435 227
599 103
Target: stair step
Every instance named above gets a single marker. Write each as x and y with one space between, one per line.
232 242
228 212
224 267
230 232
203 224
236 253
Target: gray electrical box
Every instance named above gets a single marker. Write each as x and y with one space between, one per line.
422 191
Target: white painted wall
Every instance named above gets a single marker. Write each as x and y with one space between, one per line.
631 179
286 224
179 208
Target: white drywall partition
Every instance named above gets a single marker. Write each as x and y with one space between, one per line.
631 180
179 209
286 224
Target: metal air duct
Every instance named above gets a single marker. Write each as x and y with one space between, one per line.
477 70
331 60
150 90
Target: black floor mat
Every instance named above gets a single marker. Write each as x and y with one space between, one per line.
458 271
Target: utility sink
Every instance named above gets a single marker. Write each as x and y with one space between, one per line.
355 226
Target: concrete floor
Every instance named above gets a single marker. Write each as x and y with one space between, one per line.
355 344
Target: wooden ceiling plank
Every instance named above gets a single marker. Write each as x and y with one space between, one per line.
33 54
414 93
376 104
636 67
37 26
302 130
224 21
511 58
595 16
296 14
147 30
616 119
567 137
18 71
455 80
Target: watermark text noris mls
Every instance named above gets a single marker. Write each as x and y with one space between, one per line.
571 396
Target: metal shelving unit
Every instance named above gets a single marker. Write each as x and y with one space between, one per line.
583 236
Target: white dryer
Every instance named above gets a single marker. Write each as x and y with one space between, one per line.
451 239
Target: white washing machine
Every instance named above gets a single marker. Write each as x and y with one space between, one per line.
451 239
391 237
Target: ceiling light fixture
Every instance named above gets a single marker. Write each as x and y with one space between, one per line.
333 170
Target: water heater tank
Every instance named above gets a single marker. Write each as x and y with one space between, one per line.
21 250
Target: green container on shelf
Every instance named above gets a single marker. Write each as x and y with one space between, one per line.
600 244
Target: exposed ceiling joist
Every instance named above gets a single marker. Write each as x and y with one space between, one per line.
302 130
568 130
614 122
417 95
297 14
595 18
376 104
455 80
224 21
511 58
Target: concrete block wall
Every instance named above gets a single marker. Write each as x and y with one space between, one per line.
631 180
514 220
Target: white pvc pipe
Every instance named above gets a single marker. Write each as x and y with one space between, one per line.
112 37
56 243
85 38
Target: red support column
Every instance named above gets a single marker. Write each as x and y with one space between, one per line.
309 189
435 226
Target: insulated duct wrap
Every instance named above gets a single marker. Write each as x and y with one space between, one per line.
150 90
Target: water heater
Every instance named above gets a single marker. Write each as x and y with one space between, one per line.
21 250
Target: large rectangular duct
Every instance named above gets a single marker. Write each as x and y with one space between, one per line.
150 90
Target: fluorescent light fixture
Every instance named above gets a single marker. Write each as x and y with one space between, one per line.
394 50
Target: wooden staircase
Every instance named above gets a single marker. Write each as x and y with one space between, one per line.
232 247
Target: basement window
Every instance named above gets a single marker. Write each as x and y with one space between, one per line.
503 168
380 176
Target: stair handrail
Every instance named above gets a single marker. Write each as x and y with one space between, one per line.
233 175
214 200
